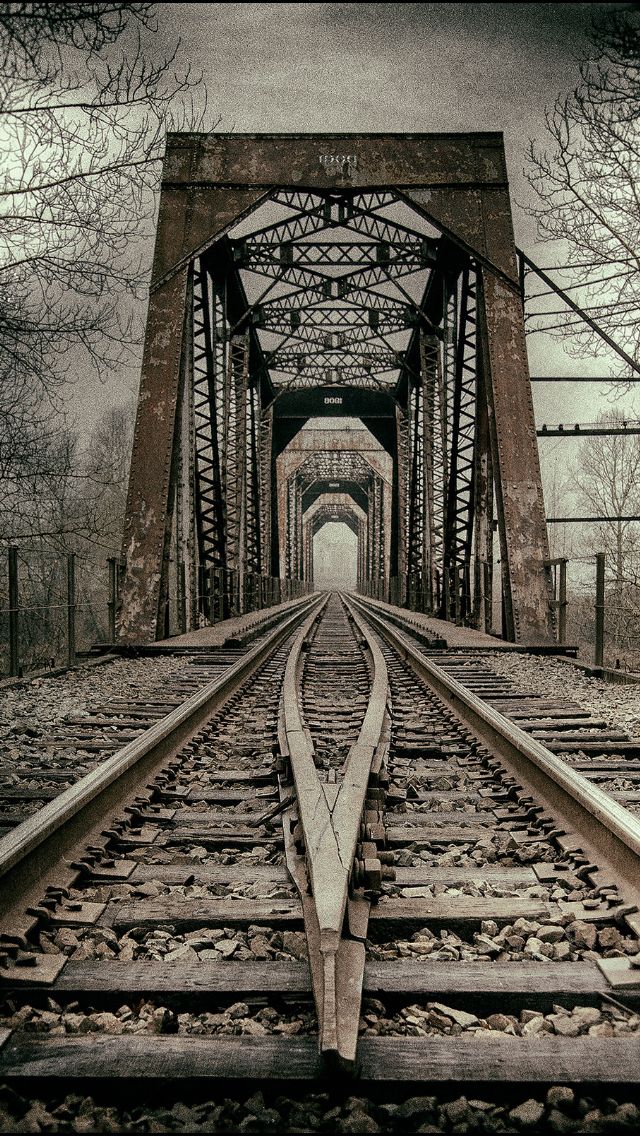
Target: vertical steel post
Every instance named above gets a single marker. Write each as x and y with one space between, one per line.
213 595
14 613
599 652
111 605
71 609
562 602
524 546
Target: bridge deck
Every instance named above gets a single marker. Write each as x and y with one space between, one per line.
216 635
442 629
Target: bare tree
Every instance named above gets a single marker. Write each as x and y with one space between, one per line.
84 105
586 175
86 97
607 477
76 504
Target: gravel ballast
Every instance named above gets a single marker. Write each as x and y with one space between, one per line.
535 674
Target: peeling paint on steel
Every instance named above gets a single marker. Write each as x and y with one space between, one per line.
518 473
147 500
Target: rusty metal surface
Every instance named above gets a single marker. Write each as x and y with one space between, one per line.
314 159
457 182
188 223
479 219
330 816
516 465
147 498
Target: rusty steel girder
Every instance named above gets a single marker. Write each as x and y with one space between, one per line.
335 267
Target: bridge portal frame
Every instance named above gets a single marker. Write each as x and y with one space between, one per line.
456 182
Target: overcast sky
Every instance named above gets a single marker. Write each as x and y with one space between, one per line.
401 67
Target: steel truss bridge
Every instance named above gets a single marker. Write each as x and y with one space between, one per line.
352 276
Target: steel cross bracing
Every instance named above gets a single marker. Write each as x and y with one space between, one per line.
387 314
309 296
230 441
460 499
332 513
341 335
348 465
209 375
438 443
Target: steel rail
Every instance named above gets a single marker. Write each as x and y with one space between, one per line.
29 853
609 833
330 818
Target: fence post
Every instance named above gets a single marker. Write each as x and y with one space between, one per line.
14 614
599 652
71 609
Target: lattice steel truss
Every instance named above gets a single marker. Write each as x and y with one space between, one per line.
279 273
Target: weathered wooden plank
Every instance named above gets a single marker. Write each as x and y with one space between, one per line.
479 984
630 747
160 979
564 723
28 794
425 874
258 776
599 777
231 796
420 767
180 873
191 914
458 911
442 795
425 834
606 765
160 1058
503 985
429 1060
576 737
497 1058
206 818
216 838
455 817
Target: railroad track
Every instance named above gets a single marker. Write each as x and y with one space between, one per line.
40 760
607 756
52 742
235 862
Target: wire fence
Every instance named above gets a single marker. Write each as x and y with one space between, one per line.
52 608
598 611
